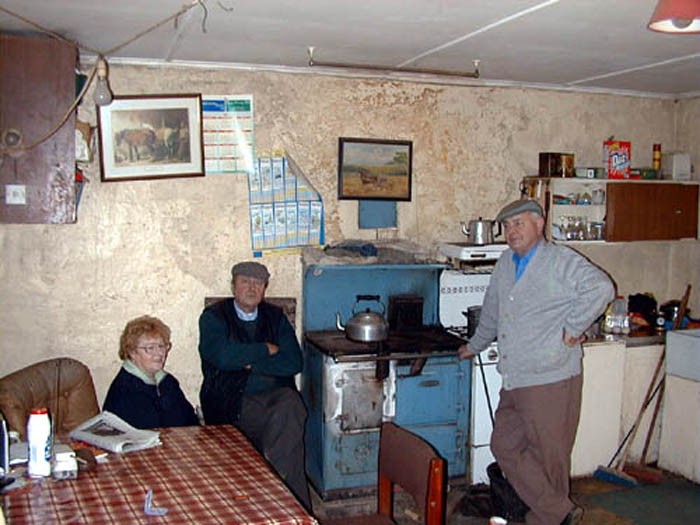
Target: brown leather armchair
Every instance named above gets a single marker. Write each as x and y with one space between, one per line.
63 385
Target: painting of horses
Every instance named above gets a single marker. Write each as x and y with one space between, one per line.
374 169
143 137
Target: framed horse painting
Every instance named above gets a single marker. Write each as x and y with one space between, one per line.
374 169
151 137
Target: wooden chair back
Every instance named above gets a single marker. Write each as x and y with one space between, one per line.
409 461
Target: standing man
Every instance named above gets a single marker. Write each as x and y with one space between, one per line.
250 355
540 300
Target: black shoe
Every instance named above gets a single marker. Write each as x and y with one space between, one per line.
574 517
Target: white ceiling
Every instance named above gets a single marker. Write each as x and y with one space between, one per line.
566 44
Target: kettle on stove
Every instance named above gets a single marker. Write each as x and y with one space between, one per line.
367 326
481 231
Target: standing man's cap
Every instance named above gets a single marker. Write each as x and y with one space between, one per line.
250 269
520 206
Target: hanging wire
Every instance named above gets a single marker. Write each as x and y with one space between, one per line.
91 76
174 16
204 18
222 6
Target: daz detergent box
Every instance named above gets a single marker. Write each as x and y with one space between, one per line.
617 158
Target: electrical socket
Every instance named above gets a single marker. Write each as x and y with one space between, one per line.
15 194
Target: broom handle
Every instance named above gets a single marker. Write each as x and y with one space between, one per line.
681 309
676 324
645 403
647 441
627 436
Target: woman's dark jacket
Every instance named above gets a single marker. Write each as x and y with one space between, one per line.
149 406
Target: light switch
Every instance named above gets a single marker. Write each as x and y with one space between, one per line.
15 194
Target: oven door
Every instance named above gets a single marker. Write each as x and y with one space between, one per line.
362 400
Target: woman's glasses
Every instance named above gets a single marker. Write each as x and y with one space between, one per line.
152 349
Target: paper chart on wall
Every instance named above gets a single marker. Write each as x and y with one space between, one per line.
285 209
228 134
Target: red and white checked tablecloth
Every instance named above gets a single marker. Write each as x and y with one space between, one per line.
202 475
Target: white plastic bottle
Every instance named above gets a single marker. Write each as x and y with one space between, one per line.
39 443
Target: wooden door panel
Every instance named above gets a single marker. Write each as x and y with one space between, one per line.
648 211
37 86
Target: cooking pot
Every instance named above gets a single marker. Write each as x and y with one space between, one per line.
473 313
481 232
367 326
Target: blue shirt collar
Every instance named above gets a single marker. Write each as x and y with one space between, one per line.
245 316
521 262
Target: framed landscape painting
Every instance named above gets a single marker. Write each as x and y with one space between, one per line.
151 137
374 169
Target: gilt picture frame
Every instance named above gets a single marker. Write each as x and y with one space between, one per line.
151 137
372 169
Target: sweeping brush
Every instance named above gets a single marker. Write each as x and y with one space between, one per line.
641 471
614 476
617 476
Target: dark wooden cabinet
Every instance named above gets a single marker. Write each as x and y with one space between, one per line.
37 86
651 211
631 210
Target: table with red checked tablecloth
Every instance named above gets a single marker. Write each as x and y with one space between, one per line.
202 475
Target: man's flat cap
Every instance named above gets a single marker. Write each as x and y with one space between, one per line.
250 269
519 206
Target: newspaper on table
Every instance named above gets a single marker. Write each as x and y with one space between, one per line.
108 431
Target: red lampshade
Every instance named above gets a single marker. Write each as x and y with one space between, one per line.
676 16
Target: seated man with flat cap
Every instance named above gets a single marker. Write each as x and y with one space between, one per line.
250 354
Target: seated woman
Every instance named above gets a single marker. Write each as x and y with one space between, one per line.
143 394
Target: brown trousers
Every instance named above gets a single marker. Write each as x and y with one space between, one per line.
532 440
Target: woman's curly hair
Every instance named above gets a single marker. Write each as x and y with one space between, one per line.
134 329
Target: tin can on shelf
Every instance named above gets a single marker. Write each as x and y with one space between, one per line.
39 443
656 159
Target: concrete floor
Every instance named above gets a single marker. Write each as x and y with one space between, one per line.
406 514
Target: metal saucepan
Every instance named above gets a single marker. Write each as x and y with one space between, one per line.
367 326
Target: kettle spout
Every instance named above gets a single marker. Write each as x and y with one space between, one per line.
465 229
338 322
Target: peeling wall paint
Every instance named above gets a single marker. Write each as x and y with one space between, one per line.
159 247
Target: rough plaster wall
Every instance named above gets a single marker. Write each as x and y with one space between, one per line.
688 131
661 268
159 247
687 262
